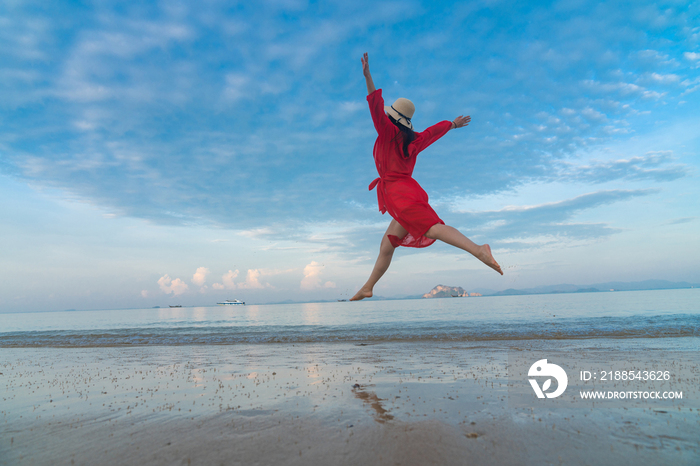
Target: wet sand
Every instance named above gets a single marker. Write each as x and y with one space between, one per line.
389 403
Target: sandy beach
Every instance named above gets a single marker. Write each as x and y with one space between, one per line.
389 403
353 233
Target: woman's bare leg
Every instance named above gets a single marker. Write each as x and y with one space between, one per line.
386 252
452 236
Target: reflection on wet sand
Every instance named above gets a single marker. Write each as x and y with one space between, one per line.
445 403
381 415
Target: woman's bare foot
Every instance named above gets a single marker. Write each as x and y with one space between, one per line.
362 294
486 257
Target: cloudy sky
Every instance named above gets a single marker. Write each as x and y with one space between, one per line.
184 153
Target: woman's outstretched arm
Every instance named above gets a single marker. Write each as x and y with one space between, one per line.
460 121
435 132
368 75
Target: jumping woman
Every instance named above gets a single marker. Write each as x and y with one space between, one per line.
415 224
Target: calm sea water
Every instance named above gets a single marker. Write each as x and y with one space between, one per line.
632 314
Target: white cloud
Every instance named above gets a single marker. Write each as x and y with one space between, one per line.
692 56
621 87
352 106
592 114
227 280
84 125
652 55
234 27
144 293
167 285
312 278
237 86
653 94
665 78
329 285
257 232
200 276
252 280
106 52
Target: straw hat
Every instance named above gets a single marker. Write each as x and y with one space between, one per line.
402 111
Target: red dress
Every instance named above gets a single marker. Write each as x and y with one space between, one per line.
397 192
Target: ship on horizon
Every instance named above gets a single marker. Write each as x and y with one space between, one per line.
229 302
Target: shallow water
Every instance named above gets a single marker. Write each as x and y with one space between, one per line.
632 314
265 403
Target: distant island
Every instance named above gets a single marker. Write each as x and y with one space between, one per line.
597 287
442 291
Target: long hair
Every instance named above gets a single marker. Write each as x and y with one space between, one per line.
404 137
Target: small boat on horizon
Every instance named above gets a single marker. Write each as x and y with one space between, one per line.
230 302
177 305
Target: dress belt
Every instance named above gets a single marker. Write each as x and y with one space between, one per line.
381 189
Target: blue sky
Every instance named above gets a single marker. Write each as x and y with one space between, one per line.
184 153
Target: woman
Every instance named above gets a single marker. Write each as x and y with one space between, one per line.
415 224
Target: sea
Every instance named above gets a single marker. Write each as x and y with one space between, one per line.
648 314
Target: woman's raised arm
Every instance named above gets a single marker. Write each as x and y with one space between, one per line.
368 75
460 121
